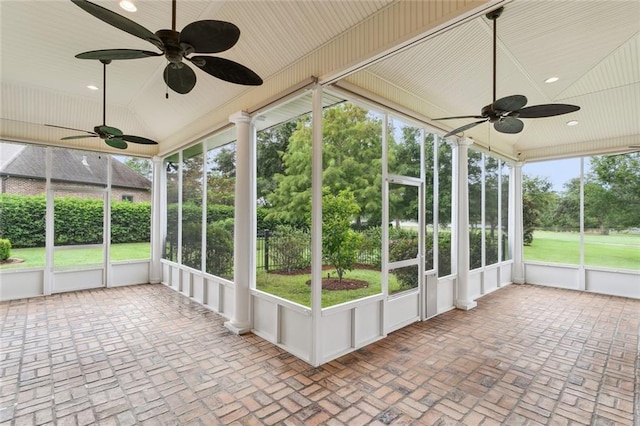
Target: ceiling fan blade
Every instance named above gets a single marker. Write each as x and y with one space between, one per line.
68 128
210 36
68 138
546 110
138 139
118 21
463 128
462 116
180 80
116 54
510 103
509 125
227 70
116 143
107 131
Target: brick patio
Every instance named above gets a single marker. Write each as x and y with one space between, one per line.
148 355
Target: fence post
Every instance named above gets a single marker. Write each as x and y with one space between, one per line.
266 250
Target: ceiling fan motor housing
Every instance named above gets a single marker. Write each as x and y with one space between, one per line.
172 49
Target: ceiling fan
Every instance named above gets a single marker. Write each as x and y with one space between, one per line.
206 36
505 113
112 136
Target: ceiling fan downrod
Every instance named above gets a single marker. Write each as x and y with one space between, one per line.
493 16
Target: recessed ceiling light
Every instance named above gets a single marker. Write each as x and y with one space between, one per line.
572 123
92 87
551 80
128 5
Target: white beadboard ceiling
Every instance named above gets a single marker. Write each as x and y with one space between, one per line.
592 45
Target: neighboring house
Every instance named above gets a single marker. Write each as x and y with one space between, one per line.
22 172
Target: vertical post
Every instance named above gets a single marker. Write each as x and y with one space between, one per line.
243 235
155 273
515 209
463 299
266 250
582 279
49 226
316 226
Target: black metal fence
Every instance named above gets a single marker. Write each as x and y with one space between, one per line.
278 251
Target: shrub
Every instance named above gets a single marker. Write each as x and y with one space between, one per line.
5 249
219 255
403 249
289 248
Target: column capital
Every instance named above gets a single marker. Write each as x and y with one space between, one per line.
462 141
518 164
240 117
157 160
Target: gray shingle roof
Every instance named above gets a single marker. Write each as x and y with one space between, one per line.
72 167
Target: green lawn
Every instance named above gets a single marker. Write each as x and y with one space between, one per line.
295 289
609 251
34 257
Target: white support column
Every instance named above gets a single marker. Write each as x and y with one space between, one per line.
316 227
244 212
155 270
463 298
517 230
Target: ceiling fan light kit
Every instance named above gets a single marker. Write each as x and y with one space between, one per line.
206 36
505 113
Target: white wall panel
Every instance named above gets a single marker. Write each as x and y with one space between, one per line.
368 323
401 311
82 279
18 284
616 283
265 318
197 288
336 332
505 274
228 298
174 282
491 278
295 332
445 294
185 282
552 275
129 273
212 297
475 283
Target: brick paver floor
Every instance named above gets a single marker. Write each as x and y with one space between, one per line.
526 355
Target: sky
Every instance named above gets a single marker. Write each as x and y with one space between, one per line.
558 171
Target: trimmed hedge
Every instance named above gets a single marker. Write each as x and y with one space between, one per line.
5 249
22 220
77 220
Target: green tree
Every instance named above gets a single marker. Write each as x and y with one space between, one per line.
619 176
352 152
340 243
141 166
538 200
272 143
221 175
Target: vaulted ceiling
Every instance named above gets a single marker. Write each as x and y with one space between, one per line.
429 58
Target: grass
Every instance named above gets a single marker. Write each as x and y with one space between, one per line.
34 257
620 251
295 289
